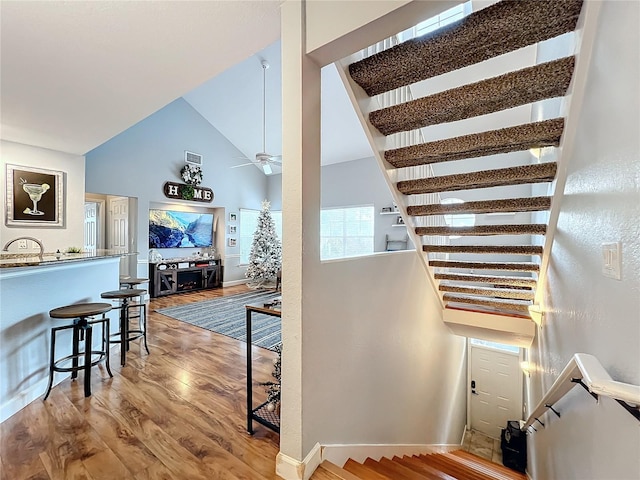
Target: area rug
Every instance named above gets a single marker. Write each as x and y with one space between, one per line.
227 315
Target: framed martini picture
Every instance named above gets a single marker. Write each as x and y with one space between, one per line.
34 197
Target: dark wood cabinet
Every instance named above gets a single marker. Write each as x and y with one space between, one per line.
169 277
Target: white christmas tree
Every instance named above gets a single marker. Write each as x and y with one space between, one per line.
265 259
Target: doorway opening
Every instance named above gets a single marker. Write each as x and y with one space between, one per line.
111 222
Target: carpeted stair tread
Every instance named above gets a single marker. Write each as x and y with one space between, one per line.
363 471
510 266
495 249
509 205
512 305
488 292
329 468
493 279
484 230
427 470
505 140
500 28
513 89
507 472
536 173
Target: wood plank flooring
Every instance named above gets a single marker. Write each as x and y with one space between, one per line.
178 413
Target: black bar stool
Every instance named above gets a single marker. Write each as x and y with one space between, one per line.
139 304
126 335
82 327
131 282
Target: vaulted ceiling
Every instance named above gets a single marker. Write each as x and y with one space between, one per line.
75 74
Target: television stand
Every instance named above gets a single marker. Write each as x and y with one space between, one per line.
178 276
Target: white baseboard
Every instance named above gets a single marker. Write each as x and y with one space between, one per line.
339 454
25 397
291 469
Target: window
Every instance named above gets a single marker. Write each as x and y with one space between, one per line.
497 346
346 232
248 225
458 219
446 17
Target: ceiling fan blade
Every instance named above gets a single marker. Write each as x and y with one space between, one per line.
278 164
243 165
275 157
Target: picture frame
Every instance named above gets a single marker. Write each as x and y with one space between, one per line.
34 197
399 220
233 217
232 242
233 229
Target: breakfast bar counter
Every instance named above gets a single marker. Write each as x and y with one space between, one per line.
30 286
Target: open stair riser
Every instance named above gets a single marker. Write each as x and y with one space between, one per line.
510 205
493 249
513 89
484 230
510 266
489 292
505 140
509 305
536 173
495 280
487 33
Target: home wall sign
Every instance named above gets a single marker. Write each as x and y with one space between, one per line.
182 191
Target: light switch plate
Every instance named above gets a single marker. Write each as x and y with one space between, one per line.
612 260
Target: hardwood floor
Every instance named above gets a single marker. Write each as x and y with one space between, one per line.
178 413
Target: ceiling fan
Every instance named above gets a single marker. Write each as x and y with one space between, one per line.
263 159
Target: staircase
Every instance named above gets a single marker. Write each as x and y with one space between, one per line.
473 277
457 465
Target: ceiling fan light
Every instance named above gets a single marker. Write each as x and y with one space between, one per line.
267 169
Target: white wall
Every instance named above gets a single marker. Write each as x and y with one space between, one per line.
72 234
381 366
586 311
355 183
138 162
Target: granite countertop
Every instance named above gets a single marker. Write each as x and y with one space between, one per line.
13 260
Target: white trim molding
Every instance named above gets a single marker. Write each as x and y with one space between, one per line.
339 454
231 283
291 469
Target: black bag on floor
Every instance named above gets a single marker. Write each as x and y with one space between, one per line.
513 443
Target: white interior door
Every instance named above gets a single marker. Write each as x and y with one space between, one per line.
495 389
90 226
118 230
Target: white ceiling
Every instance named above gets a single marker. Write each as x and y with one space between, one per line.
75 74
232 102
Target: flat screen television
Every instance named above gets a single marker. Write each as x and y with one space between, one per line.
172 229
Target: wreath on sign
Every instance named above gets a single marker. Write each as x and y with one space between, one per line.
191 174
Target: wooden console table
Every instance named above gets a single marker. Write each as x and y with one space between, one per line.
260 414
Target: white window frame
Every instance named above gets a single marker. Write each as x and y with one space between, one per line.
345 235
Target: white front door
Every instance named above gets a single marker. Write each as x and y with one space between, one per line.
495 389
